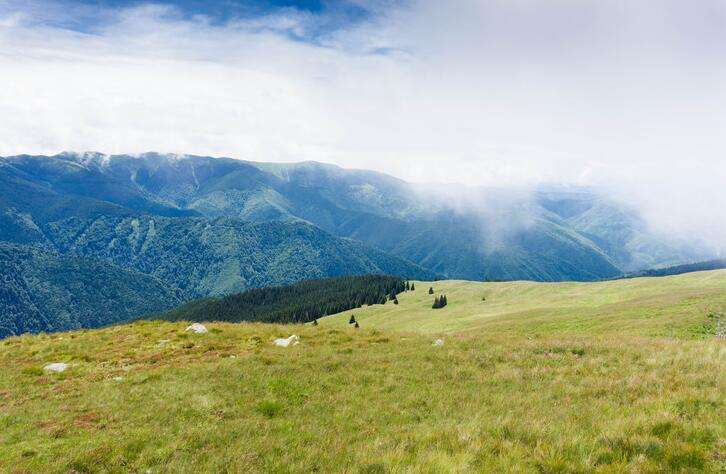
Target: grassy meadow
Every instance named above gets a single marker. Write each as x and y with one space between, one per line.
622 376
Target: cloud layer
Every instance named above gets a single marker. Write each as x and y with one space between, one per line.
626 95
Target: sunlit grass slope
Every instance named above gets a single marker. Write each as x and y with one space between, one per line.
668 306
607 377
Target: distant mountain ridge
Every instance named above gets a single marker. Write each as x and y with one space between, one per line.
546 234
210 226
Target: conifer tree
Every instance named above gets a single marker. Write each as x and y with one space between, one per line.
356 325
408 286
437 303
431 290
395 300
412 287
352 319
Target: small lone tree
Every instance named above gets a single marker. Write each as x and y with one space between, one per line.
395 300
437 303
431 290
412 287
356 325
352 319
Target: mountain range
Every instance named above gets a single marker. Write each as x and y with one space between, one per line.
170 228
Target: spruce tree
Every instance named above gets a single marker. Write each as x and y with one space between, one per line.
431 290
412 287
408 286
352 319
395 301
356 325
437 303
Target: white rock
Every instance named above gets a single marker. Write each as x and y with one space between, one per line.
56 367
197 328
438 342
290 341
118 379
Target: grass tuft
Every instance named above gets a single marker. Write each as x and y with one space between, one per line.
269 408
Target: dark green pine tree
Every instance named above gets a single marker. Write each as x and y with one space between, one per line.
431 290
356 325
437 303
412 287
408 286
395 300
352 319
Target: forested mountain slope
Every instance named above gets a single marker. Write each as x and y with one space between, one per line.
545 234
41 290
204 257
87 246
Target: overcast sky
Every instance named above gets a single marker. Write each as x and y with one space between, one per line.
625 94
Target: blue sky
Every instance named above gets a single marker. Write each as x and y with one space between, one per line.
89 15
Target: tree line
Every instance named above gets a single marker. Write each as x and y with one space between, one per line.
297 303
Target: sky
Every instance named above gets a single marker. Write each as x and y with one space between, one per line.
629 96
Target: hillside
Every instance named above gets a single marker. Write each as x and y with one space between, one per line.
622 376
207 257
644 306
113 269
473 233
42 290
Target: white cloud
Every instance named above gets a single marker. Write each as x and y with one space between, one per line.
628 95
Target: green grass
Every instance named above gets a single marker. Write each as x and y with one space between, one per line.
605 377
669 306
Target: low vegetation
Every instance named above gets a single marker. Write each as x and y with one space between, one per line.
607 377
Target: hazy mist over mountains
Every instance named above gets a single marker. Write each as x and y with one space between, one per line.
627 97
375 208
